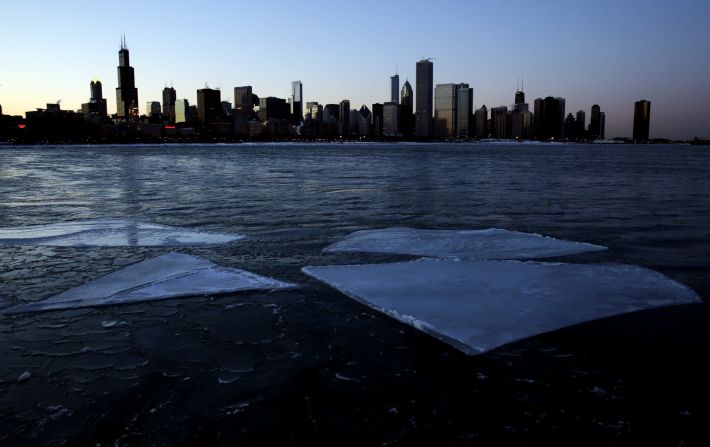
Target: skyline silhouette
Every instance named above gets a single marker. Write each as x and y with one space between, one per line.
611 55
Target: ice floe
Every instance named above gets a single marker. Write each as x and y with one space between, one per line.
171 275
110 233
492 243
477 306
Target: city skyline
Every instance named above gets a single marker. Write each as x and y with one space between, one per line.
621 54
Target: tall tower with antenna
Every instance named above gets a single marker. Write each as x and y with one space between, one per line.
126 92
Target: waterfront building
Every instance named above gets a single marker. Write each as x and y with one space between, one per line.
642 120
126 92
272 108
549 118
378 119
406 110
331 114
394 89
481 119
391 119
595 123
364 124
209 105
182 111
464 112
499 122
226 108
243 101
445 110
96 107
581 120
169 98
296 102
424 99
344 117
152 108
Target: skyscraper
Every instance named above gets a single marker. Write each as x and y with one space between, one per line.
378 119
482 122
642 120
344 113
464 112
394 88
182 111
425 98
595 123
243 100
581 123
297 101
97 104
406 111
445 110
391 121
209 105
169 98
126 92
549 118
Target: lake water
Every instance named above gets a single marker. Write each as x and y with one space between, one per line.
309 365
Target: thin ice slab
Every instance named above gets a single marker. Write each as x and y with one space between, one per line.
172 275
492 243
110 233
476 306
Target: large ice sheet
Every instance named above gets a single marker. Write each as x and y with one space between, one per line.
477 306
492 243
110 233
171 275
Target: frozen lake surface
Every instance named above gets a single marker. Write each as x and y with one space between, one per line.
490 243
309 365
109 233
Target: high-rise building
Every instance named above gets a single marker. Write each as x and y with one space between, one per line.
464 112
581 123
331 113
152 108
445 110
394 88
297 101
97 104
226 108
378 119
482 122
602 124
243 100
549 118
182 111
271 108
642 120
595 123
499 122
519 97
406 111
169 98
424 98
126 92
364 121
390 121
344 114
209 105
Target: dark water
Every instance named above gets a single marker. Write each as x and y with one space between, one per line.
310 366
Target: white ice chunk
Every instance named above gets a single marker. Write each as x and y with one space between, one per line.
110 233
477 306
492 243
171 275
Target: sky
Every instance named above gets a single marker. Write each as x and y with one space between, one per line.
604 52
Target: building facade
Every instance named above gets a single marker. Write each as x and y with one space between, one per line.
424 99
642 120
126 92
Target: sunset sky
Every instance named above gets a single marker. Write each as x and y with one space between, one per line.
611 53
